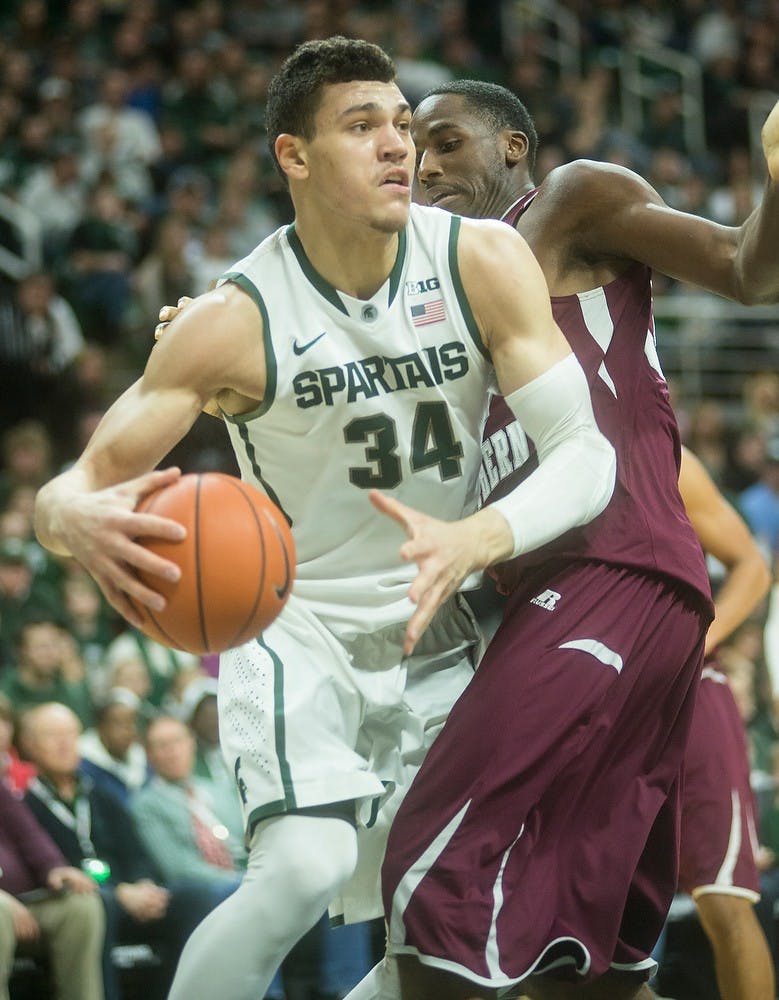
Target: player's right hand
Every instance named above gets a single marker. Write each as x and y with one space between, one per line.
101 530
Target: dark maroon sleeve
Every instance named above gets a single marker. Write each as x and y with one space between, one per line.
27 853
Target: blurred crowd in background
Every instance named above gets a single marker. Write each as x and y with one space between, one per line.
134 169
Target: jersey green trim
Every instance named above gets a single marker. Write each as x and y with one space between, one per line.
262 812
397 268
462 298
325 289
330 292
280 728
251 454
237 278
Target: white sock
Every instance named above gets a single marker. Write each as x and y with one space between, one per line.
296 865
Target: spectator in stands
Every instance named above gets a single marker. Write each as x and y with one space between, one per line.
22 593
198 705
56 194
760 503
179 818
121 140
26 457
37 677
162 663
111 753
47 905
92 828
164 274
101 252
761 402
88 619
15 773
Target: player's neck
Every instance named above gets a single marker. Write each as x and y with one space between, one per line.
511 199
357 262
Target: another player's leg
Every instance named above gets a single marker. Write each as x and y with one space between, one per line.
297 863
741 957
612 985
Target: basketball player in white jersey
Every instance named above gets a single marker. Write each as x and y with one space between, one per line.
352 355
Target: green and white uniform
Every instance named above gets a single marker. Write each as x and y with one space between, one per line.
388 393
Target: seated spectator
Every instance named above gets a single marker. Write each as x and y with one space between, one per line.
111 753
198 710
20 591
41 667
101 252
26 457
178 816
47 906
94 831
89 618
759 504
162 663
15 773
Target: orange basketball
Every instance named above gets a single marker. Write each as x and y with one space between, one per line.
237 563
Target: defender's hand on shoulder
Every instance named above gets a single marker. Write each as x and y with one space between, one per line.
770 136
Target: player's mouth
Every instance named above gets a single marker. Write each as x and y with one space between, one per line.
438 195
396 179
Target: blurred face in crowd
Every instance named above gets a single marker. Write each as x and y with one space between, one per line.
118 729
133 675
170 748
50 735
40 651
15 578
205 721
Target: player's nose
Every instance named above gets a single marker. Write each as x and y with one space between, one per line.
394 145
427 167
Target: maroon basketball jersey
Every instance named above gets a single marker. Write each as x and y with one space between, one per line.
645 526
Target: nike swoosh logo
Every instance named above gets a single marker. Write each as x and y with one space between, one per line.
302 348
281 592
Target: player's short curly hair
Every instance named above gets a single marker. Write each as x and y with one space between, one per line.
295 92
497 106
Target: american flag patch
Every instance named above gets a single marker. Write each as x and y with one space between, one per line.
429 312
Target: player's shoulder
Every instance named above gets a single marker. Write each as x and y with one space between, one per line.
491 237
585 185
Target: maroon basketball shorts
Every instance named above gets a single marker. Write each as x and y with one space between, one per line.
719 838
541 833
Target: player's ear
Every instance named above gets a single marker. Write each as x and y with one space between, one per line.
291 154
517 146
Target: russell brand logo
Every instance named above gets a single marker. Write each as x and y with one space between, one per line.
547 600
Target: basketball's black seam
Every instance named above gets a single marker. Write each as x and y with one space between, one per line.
171 639
201 608
238 484
281 594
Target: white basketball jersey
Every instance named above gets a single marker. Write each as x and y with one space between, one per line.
388 393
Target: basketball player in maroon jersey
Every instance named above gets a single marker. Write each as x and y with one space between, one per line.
718 831
538 844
